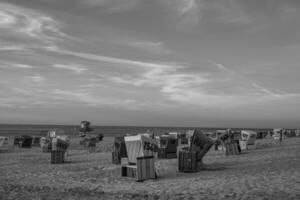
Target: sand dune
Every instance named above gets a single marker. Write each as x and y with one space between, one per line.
271 171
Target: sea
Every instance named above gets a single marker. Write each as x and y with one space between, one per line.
73 130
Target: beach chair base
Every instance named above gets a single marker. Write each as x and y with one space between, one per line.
187 161
57 157
232 148
144 169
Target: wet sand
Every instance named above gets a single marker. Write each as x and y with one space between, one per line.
269 171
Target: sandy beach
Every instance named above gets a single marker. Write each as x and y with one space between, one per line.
270 171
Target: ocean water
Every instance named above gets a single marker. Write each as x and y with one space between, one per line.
72 130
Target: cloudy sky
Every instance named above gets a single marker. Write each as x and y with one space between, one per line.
210 63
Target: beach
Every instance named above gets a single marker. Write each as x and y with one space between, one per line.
268 171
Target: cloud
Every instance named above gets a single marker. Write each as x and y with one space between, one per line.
31 81
229 12
218 65
37 78
245 12
186 6
244 79
206 89
113 6
165 79
113 60
149 46
22 66
95 2
174 82
22 22
41 27
6 20
188 12
152 47
7 65
263 89
203 97
74 68
25 97
11 48
93 99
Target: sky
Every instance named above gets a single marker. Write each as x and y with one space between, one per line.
212 63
